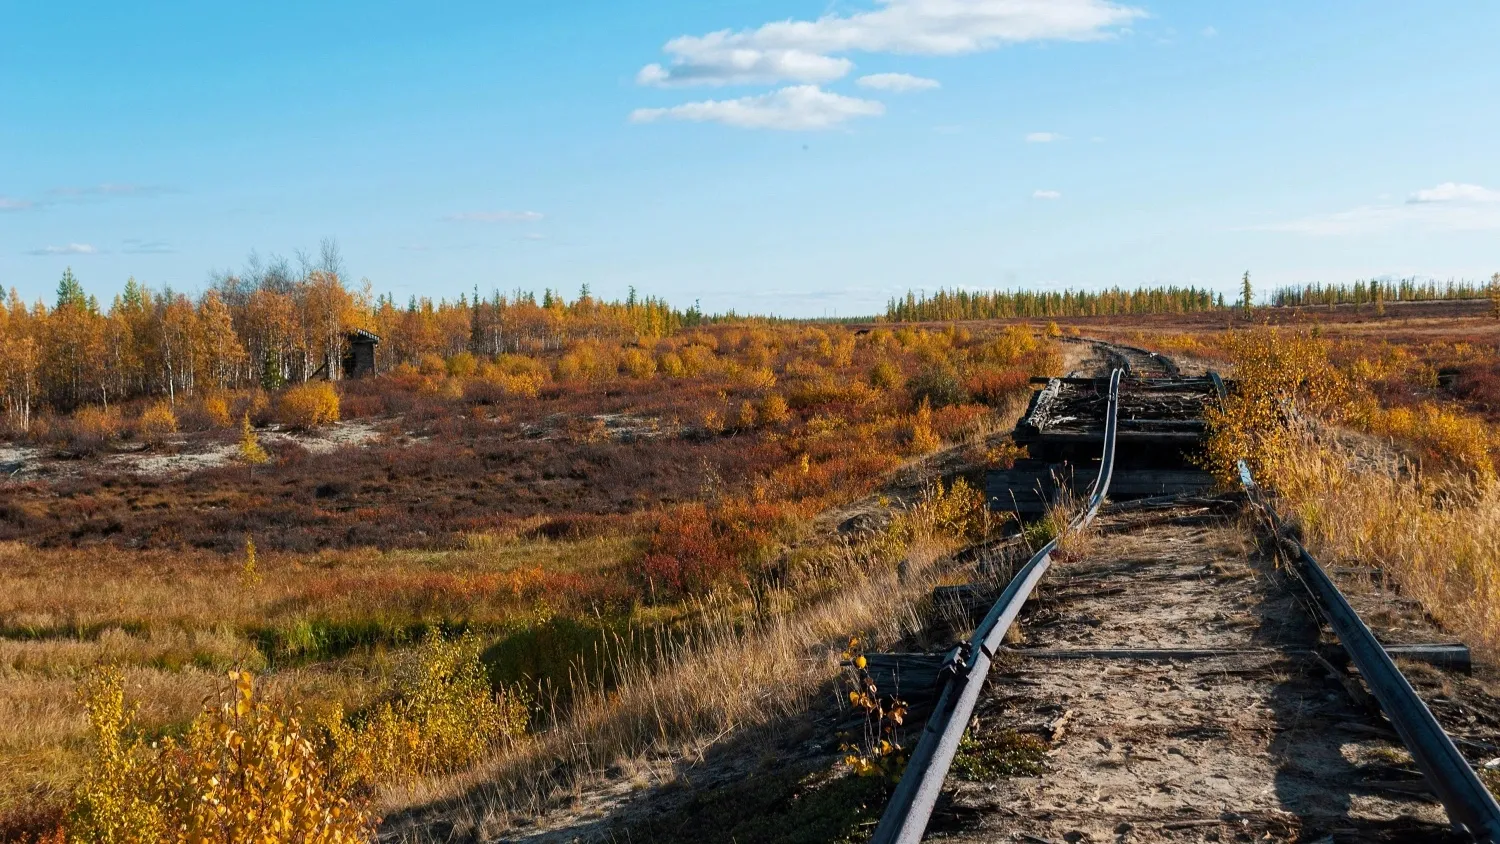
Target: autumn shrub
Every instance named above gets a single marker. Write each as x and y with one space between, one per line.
242 772
995 387
698 360
309 405
952 514
748 417
443 716
1279 378
216 410
921 438
886 375
637 364
699 548
772 410
91 427
432 366
157 422
461 365
938 385
671 365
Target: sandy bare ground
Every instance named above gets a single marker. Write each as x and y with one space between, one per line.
178 455
1260 744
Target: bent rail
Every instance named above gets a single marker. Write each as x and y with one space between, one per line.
1470 805
910 807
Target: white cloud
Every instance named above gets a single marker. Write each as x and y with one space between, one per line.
70 249
136 246
1454 192
798 108
1447 207
1046 194
1044 137
8 204
708 64
495 217
1209 32
533 236
804 51
897 82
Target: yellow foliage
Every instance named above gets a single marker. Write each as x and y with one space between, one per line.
157 422
250 449
885 375
1278 377
772 410
923 439
310 405
216 408
241 773
748 415
461 365
672 365
444 717
96 424
637 364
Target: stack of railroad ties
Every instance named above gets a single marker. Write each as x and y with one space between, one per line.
1145 435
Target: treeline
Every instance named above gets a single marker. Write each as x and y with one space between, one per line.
1379 292
268 327
963 304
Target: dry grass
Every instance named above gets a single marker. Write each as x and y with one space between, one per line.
1437 539
724 679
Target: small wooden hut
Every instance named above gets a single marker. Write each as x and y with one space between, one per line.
359 361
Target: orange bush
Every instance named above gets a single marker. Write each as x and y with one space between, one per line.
216 410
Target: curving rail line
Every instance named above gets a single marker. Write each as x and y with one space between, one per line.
1470 806
906 815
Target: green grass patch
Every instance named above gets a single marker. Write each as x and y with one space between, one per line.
999 756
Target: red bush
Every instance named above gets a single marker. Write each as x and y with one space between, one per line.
994 386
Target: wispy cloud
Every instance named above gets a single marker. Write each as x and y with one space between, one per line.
495 217
1209 32
1454 192
1450 206
112 189
1046 194
136 246
798 108
899 83
70 249
810 51
533 236
9 204
1044 137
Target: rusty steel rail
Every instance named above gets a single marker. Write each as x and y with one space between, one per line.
1471 807
964 671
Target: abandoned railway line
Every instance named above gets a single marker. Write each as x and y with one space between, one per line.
1181 670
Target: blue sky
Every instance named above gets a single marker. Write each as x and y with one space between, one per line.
810 158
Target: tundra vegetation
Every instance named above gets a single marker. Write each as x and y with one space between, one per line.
558 534
573 532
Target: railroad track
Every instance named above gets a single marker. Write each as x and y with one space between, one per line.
1185 687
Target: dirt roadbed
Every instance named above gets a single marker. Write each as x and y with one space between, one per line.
1239 726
